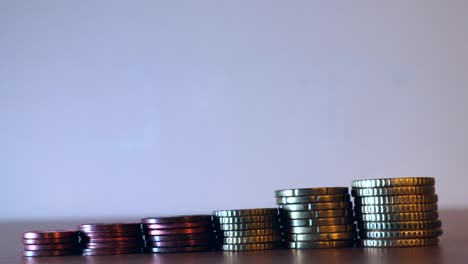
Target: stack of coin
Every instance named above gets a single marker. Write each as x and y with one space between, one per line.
397 212
177 234
50 243
246 229
110 239
316 217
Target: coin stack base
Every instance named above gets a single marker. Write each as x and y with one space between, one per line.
178 234
246 229
316 217
110 239
397 212
50 243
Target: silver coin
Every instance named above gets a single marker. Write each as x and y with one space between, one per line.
315 206
313 199
405 234
395 208
407 225
391 182
246 212
246 219
248 233
320 237
247 226
416 216
320 229
415 242
400 199
404 190
318 222
312 191
239 247
251 240
319 244
316 214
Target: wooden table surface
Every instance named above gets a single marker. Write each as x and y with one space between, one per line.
453 248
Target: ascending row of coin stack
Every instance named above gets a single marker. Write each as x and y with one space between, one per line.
396 212
246 229
50 243
190 233
110 239
316 217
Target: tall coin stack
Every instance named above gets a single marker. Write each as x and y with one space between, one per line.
191 233
246 229
316 217
397 212
50 243
110 239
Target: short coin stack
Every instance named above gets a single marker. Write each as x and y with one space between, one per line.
177 234
246 229
110 239
50 243
316 217
397 212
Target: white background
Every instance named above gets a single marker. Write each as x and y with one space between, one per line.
143 108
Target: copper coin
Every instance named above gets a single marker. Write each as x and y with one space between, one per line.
49 234
178 225
176 219
180 243
50 241
109 227
176 249
50 247
112 234
97 252
198 236
121 245
111 239
165 232
47 253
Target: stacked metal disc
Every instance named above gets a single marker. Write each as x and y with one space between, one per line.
397 212
246 229
50 243
316 217
177 234
110 239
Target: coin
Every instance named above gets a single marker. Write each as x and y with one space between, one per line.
50 247
396 208
113 245
110 234
49 241
110 239
319 244
407 225
257 246
176 249
245 212
315 206
189 236
247 226
48 253
248 233
176 219
407 190
251 239
391 182
178 231
109 227
416 216
312 191
421 233
401 199
414 242
179 243
49 234
97 252
321 237
246 219
178 225
316 214
312 199
318 222
320 229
